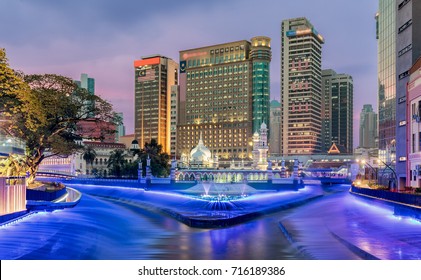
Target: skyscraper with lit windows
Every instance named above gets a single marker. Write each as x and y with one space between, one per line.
224 93
337 110
386 70
154 76
301 92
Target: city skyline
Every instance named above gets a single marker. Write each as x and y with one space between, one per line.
104 45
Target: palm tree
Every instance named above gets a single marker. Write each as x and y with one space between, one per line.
116 162
89 156
159 159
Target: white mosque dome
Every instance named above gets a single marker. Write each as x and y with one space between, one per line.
200 153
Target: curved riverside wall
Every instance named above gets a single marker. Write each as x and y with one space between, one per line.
12 216
44 205
403 198
43 195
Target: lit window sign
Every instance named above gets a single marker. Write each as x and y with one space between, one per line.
402 158
402 123
293 33
193 54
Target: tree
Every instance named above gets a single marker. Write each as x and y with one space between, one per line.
12 85
116 162
14 165
159 160
89 156
46 116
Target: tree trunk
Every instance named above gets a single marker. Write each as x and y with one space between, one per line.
33 165
32 174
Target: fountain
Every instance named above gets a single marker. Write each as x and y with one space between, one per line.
223 191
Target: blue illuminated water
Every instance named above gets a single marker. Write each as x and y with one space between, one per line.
336 226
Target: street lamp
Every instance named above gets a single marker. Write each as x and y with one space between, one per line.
395 177
374 170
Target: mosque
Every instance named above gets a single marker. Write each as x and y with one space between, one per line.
201 166
201 157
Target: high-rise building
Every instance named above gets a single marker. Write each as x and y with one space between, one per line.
154 76
408 49
301 93
337 110
260 54
413 168
224 91
175 116
121 129
386 57
275 128
88 84
368 127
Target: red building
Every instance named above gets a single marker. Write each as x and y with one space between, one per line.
97 131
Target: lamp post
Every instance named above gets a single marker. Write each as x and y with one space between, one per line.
374 170
395 177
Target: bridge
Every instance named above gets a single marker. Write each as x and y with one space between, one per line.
327 175
55 174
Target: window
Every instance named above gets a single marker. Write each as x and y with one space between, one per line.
405 50
419 141
419 108
403 3
403 75
413 142
405 26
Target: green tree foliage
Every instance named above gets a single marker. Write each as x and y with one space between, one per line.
12 86
45 114
159 160
117 162
130 169
14 165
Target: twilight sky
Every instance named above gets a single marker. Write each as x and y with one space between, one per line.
103 37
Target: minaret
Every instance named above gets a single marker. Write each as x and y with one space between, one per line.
263 147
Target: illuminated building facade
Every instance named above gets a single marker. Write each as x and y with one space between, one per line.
260 54
407 51
154 76
386 52
75 164
12 195
413 132
175 116
337 111
224 91
301 92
